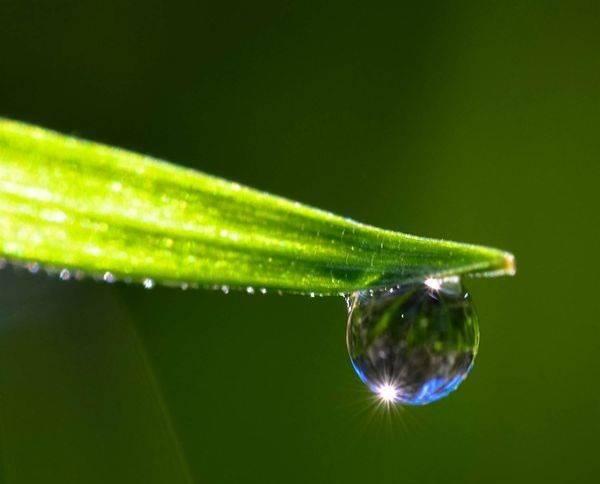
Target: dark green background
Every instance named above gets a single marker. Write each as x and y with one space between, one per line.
470 121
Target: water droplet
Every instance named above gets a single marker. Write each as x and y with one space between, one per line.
263 290
148 283
250 290
415 344
65 275
33 267
225 289
109 277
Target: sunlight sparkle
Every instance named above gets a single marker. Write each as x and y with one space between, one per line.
387 392
432 283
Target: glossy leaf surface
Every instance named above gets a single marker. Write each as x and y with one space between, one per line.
102 211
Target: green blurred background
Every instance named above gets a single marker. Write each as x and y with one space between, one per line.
471 121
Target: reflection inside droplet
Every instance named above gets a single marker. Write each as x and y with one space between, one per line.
413 344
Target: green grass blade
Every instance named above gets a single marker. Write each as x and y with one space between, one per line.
68 203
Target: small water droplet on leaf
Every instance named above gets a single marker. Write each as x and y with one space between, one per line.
33 267
65 275
109 277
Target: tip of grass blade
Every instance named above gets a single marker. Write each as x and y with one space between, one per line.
505 265
510 265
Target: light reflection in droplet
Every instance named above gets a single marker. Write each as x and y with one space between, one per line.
387 392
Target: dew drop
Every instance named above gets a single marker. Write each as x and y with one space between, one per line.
148 283
65 275
415 344
225 289
250 290
33 267
109 277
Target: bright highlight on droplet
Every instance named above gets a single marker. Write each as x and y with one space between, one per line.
432 283
387 392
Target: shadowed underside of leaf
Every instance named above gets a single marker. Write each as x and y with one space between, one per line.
68 203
